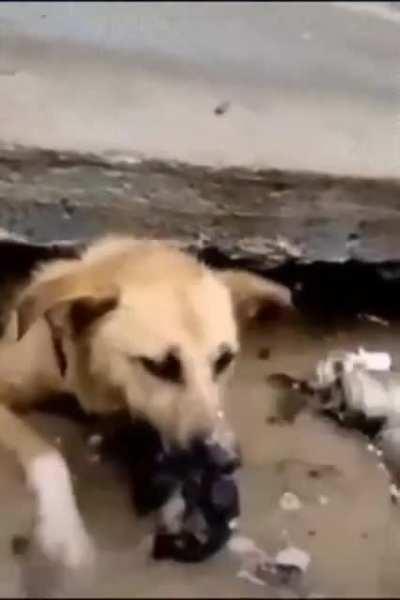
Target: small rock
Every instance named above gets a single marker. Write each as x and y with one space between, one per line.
19 545
264 353
323 500
314 473
68 207
222 108
312 532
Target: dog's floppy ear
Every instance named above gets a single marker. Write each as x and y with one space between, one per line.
256 297
87 302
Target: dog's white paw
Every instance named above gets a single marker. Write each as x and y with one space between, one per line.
65 542
59 531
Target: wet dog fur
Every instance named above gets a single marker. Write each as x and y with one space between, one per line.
130 324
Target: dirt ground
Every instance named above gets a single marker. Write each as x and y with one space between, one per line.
346 521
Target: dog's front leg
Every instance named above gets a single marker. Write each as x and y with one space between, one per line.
58 528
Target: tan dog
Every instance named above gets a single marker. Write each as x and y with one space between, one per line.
135 324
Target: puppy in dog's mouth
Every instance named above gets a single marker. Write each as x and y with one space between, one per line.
129 324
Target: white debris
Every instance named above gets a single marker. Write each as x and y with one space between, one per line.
240 544
289 247
327 372
394 491
375 361
367 394
290 501
94 440
248 576
375 319
370 448
253 559
323 500
293 556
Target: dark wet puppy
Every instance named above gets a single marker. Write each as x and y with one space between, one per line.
200 480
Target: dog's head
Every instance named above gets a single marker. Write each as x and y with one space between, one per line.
147 326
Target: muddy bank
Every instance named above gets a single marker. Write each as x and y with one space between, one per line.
264 217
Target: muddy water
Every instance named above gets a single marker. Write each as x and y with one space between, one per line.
346 521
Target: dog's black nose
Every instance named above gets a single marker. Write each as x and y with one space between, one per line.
222 459
215 456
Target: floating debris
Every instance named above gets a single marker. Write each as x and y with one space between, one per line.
374 319
240 544
293 557
250 577
323 500
253 558
394 492
259 568
290 502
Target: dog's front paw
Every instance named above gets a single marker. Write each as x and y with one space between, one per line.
64 542
59 531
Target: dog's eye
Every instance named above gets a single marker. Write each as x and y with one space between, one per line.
223 362
169 369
